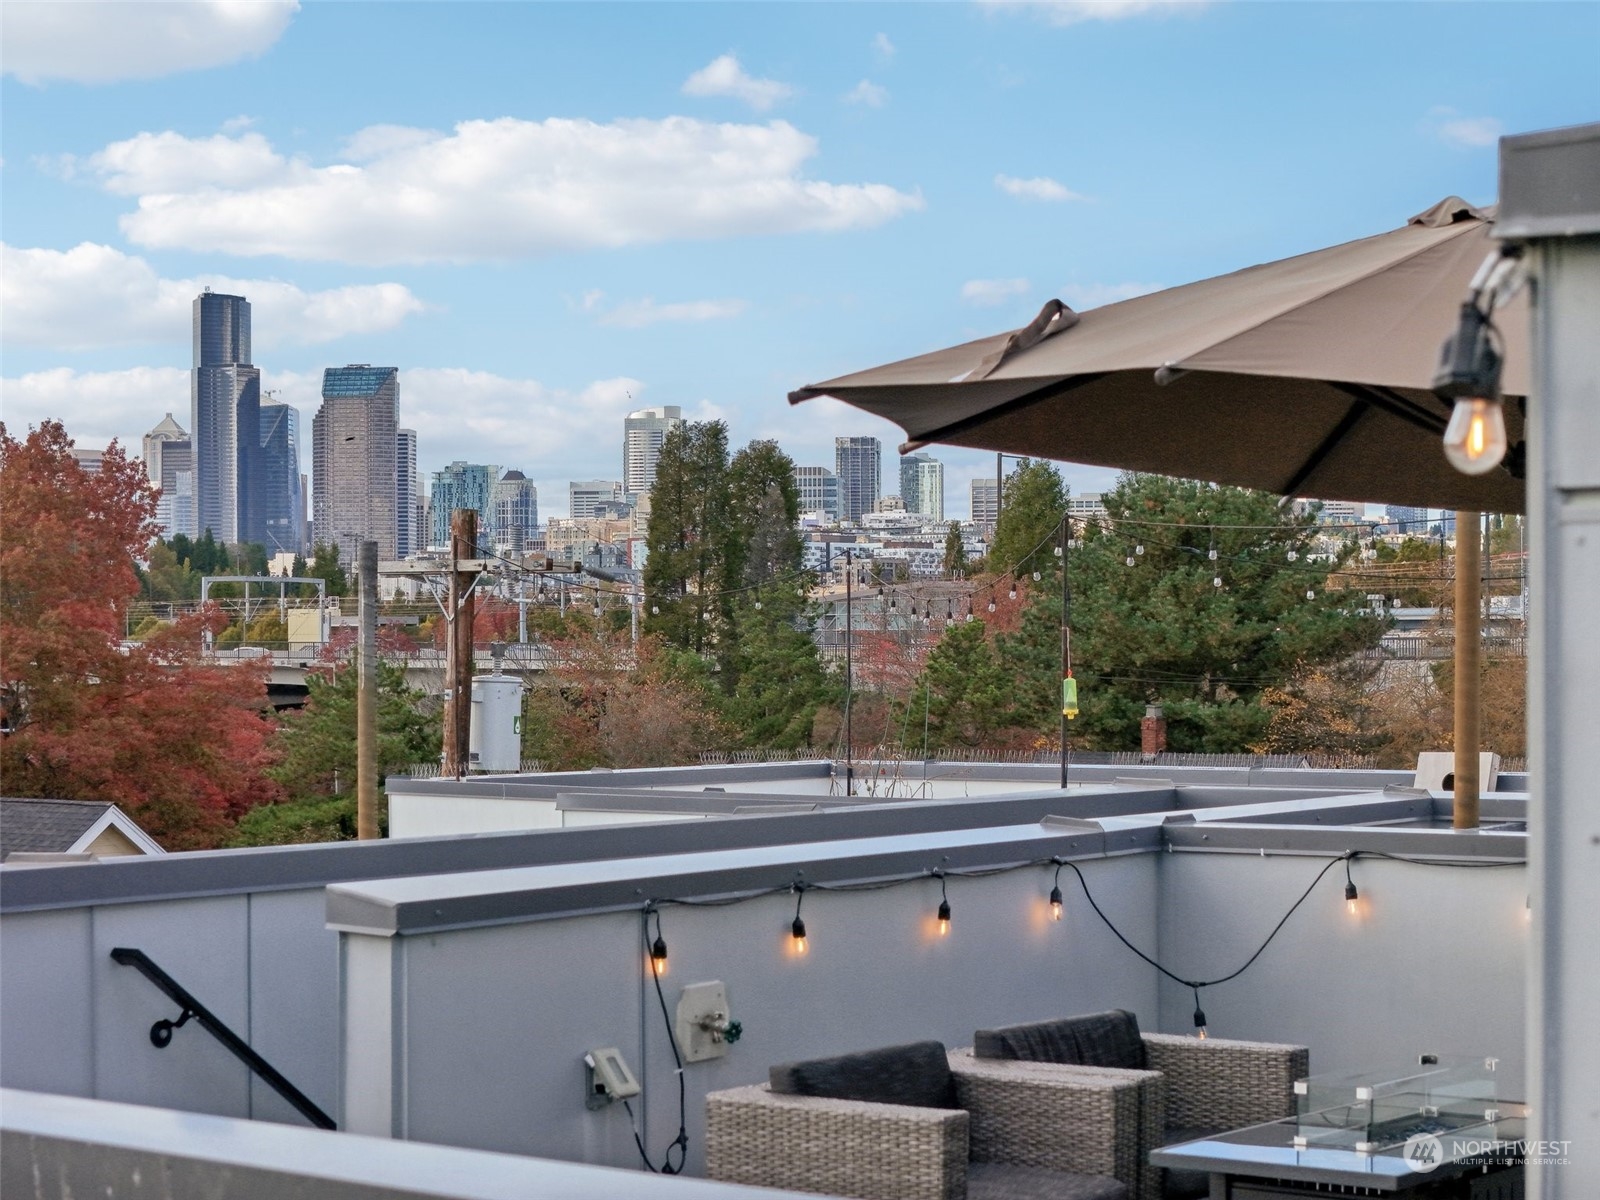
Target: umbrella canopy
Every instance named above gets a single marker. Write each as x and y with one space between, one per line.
1308 376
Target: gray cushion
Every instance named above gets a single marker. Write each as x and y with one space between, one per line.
1001 1181
1107 1039
917 1074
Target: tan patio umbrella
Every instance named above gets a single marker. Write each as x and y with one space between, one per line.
1308 376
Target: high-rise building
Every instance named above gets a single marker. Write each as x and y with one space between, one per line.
408 505
585 496
355 444
169 461
857 463
461 485
282 520
1406 520
643 433
1087 506
985 500
819 491
225 420
1340 512
922 485
514 513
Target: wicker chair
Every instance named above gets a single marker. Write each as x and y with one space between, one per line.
928 1126
1189 1087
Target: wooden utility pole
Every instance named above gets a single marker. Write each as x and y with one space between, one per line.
458 661
1469 651
367 694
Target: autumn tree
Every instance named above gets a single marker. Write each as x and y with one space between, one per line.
179 744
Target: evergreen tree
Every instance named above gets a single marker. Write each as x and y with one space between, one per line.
1035 501
689 516
761 540
325 566
966 688
955 554
1166 630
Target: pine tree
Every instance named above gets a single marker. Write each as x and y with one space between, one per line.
1035 502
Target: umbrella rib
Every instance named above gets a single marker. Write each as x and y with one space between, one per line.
1394 404
1049 391
1338 433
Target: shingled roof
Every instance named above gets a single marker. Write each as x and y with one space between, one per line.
53 826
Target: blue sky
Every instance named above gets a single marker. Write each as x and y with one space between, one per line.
549 214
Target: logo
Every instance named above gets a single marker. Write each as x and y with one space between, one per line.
1423 1152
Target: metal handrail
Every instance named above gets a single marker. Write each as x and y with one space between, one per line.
161 1034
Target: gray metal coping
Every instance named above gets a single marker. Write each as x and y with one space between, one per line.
288 868
1440 845
434 903
102 1147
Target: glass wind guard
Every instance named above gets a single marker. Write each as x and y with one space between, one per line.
1372 1111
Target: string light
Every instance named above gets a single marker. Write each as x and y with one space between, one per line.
944 907
1199 1017
1139 548
1350 893
1055 895
1013 594
1037 577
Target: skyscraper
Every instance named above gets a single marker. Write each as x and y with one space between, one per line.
643 432
460 485
169 461
282 519
354 445
1405 519
857 463
515 512
922 485
225 420
984 498
407 496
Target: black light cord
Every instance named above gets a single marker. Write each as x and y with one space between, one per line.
681 1142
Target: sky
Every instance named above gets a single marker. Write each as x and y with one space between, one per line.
548 215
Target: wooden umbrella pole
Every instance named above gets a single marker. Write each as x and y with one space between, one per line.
1469 652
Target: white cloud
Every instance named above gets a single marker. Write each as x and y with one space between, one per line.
990 292
170 162
1084 296
723 76
489 190
93 296
1040 188
636 314
866 92
1450 127
236 124
97 406
883 46
1074 12
110 41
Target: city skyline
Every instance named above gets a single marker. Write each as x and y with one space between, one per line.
831 187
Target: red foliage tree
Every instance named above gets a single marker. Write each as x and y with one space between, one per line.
179 744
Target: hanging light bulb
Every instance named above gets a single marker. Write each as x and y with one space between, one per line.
1311 594
1013 593
1129 560
1139 549
655 610
1293 555
758 606
1212 554
1055 904
597 608
991 601
1216 581
1037 577
1351 896
1475 439
1199 1017
797 935
658 955
892 604
1058 551
943 916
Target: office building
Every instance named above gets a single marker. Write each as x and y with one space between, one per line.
818 490
461 485
355 443
1406 520
1340 512
514 513
1088 506
282 518
585 496
643 433
408 501
984 499
225 420
922 485
857 463
169 461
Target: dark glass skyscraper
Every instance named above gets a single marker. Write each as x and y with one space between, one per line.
282 521
225 420
857 463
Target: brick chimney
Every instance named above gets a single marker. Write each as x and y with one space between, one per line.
1152 732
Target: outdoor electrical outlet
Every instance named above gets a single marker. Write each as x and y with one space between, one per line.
607 1078
704 1027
